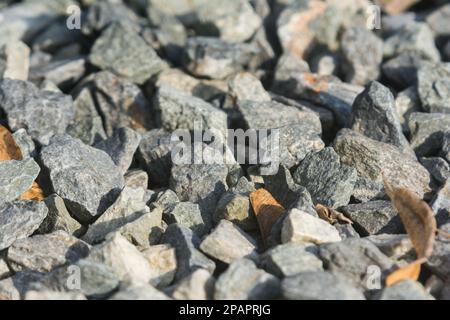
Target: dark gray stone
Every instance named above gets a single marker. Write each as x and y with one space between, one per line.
85 177
427 131
438 167
434 87
16 177
441 203
445 151
402 69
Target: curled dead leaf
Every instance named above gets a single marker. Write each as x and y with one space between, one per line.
330 215
34 193
9 150
411 271
417 217
267 211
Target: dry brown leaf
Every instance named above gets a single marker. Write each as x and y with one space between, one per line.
396 6
330 215
267 211
417 217
9 150
411 271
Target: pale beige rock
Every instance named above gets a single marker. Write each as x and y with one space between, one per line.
16 59
163 262
199 285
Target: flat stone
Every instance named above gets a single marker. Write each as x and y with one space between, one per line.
370 158
374 115
187 214
86 178
244 281
319 285
405 290
227 242
329 181
301 227
121 147
43 253
58 218
434 87
122 51
14 61
199 285
215 58
139 292
16 177
186 244
22 101
286 260
427 131
162 260
361 66
374 217
352 258
438 168
19 219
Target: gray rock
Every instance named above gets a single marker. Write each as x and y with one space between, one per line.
227 243
370 158
352 258
441 203
19 219
186 244
346 230
4 269
392 245
245 86
236 207
199 285
289 259
136 179
62 72
215 58
374 217
434 87
176 110
438 20
187 214
439 262
446 146
329 181
44 253
25 143
121 147
301 227
363 53
438 167
15 287
43 113
427 131
402 69
374 115
16 177
405 290
122 51
14 60
166 199
139 292
412 37
407 102
85 177
244 281
319 285
53 295
163 262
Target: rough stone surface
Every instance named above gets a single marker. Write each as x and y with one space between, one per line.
427 131
16 177
162 260
407 102
319 285
187 214
199 285
25 143
434 87
301 227
85 177
328 180
227 242
243 280
438 20
14 61
19 219
402 69
438 168
405 290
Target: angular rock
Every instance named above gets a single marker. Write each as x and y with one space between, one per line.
392 245
43 253
199 285
427 131
319 285
434 87
402 70
136 179
62 72
363 53
227 242
374 115
374 217
186 244
121 147
14 61
439 262
25 143
215 58
301 227
329 181
86 178
139 292
289 259
187 214
438 167
19 219
43 113
370 158
446 146
16 177
162 260
235 207
122 51
166 199
405 290
245 86
438 20
407 102
244 281
352 258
